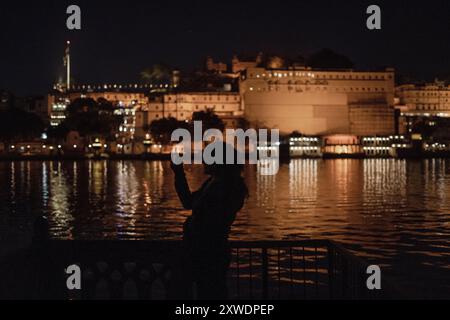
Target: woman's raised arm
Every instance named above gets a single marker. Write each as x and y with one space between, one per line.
182 186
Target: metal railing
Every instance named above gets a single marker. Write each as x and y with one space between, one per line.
153 270
311 269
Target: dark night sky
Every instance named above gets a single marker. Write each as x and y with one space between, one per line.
119 39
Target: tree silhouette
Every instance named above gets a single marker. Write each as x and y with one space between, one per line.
157 73
90 117
161 130
327 58
16 124
209 120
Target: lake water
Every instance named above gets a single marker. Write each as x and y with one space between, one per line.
394 213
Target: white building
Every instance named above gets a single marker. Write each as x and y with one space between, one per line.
57 106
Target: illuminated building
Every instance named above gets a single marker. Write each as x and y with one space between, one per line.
124 102
181 106
241 64
342 145
117 98
218 67
386 146
318 102
305 147
57 106
426 101
238 64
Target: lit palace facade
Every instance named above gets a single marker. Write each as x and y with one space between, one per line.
181 106
424 100
118 99
321 102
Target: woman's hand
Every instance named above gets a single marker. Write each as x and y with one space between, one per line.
177 168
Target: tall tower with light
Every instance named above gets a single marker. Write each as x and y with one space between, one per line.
67 64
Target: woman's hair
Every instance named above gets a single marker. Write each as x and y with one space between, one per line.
231 173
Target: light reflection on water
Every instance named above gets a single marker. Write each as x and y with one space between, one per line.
395 213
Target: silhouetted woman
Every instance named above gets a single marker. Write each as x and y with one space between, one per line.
205 234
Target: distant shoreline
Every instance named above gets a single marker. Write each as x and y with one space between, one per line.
166 157
155 157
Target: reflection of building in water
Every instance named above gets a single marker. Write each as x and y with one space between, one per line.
343 180
60 218
128 197
13 181
384 192
75 177
435 172
153 183
44 184
317 102
266 187
267 194
98 173
303 181
384 176
127 189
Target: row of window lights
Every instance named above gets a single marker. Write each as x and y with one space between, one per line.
399 146
51 147
324 88
441 100
125 97
304 139
124 112
196 108
376 148
305 148
58 106
115 86
267 148
440 114
428 94
115 97
312 75
435 145
291 74
383 138
430 107
63 107
210 98
44 147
